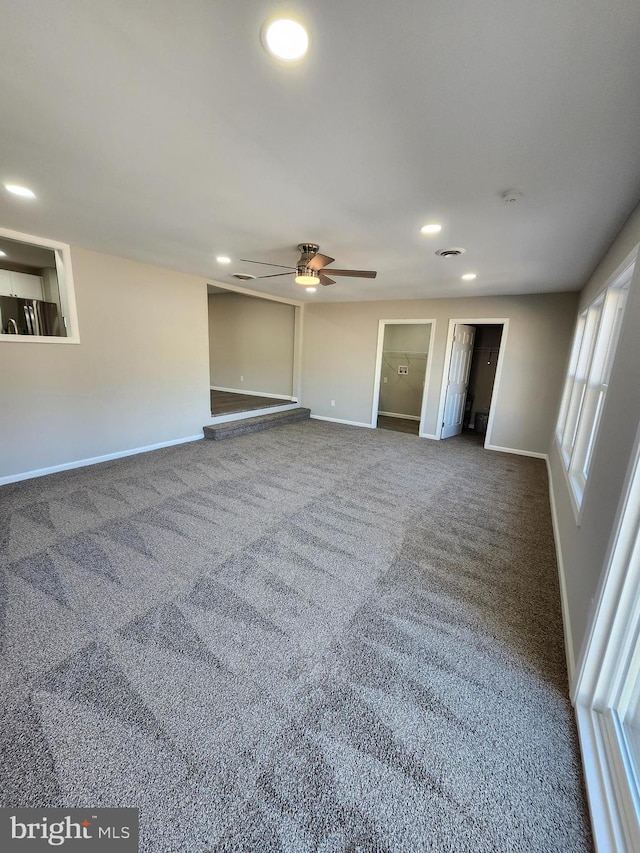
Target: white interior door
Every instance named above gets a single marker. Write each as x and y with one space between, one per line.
458 381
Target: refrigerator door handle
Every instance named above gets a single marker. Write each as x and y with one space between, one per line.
36 308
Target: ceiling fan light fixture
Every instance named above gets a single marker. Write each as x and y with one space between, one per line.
307 279
285 39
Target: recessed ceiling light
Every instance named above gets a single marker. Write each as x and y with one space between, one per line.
223 259
469 276
432 228
24 192
285 39
311 289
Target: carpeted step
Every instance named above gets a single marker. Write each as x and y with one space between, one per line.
234 428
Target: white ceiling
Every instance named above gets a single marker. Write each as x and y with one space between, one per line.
162 131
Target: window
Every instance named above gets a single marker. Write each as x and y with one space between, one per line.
590 366
607 693
36 290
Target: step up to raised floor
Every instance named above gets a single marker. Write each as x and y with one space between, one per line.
231 429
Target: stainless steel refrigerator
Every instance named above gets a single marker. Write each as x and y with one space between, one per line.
30 317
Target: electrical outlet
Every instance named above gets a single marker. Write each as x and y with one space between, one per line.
242 379
403 369
333 402
385 379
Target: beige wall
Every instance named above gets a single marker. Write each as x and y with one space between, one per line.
251 338
139 377
583 548
404 344
340 351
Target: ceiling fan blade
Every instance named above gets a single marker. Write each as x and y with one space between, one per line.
319 261
265 264
276 274
355 273
325 280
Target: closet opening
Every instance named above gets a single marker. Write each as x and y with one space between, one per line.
403 362
471 378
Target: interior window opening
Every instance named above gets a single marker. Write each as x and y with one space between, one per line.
36 291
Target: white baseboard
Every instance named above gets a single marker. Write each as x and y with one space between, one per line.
251 413
254 393
564 599
367 426
340 421
397 415
94 460
516 451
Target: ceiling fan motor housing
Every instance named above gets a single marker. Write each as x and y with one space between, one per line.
307 251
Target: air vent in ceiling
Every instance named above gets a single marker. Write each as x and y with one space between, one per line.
450 253
243 276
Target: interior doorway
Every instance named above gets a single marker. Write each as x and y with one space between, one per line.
254 353
471 377
403 361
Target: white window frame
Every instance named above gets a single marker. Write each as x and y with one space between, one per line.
592 357
62 252
608 680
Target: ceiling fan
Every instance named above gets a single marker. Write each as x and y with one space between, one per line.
310 267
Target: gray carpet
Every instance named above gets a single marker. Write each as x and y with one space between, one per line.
315 638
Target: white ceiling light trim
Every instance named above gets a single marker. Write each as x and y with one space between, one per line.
285 39
469 276
223 259
431 228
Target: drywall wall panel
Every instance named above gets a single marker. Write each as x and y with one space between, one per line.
340 350
139 377
584 547
251 344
